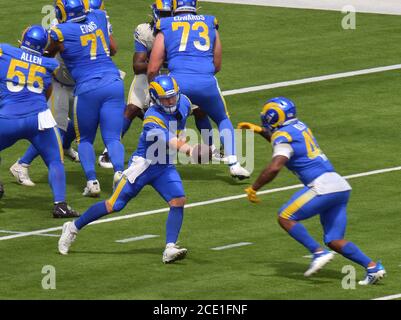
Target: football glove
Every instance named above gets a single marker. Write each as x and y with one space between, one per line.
250 126
251 193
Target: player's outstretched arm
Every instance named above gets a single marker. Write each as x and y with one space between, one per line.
265 133
157 57
267 175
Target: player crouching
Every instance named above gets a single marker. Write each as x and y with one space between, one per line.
325 192
168 113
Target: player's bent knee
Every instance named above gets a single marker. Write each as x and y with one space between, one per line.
116 207
336 245
285 223
177 202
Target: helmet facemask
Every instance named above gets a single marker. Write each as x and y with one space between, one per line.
169 103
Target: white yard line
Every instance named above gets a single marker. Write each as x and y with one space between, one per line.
392 297
361 6
144 237
19 232
311 255
192 205
312 80
234 245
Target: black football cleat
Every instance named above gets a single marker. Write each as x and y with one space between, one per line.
62 210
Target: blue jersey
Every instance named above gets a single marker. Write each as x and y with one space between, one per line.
24 80
189 41
160 127
307 161
87 51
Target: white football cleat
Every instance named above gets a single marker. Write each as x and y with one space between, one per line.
67 237
71 154
373 275
92 189
21 174
319 260
104 160
218 156
117 177
239 172
173 253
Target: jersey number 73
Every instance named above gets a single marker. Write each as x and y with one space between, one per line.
199 27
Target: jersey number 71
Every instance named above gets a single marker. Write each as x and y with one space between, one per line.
92 38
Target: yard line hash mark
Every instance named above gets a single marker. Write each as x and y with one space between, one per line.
234 245
392 297
196 204
144 237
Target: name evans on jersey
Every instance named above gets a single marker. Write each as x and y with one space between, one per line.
88 28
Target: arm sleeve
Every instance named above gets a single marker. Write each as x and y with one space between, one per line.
139 47
283 149
109 26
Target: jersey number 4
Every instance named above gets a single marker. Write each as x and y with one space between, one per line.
203 33
92 38
311 146
33 77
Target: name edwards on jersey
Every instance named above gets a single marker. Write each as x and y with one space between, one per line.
189 18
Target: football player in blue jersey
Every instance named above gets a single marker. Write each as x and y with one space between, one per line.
191 45
82 39
61 104
150 165
25 83
325 193
138 96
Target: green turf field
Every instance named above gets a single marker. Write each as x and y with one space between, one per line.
356 121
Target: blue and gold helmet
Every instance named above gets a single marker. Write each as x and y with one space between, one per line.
162 9
35 39
184 6
96 4
162 90
277 111
71 10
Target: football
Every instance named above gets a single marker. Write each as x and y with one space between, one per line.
201 154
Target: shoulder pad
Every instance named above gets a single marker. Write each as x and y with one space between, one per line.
56 33
144 34
281 137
